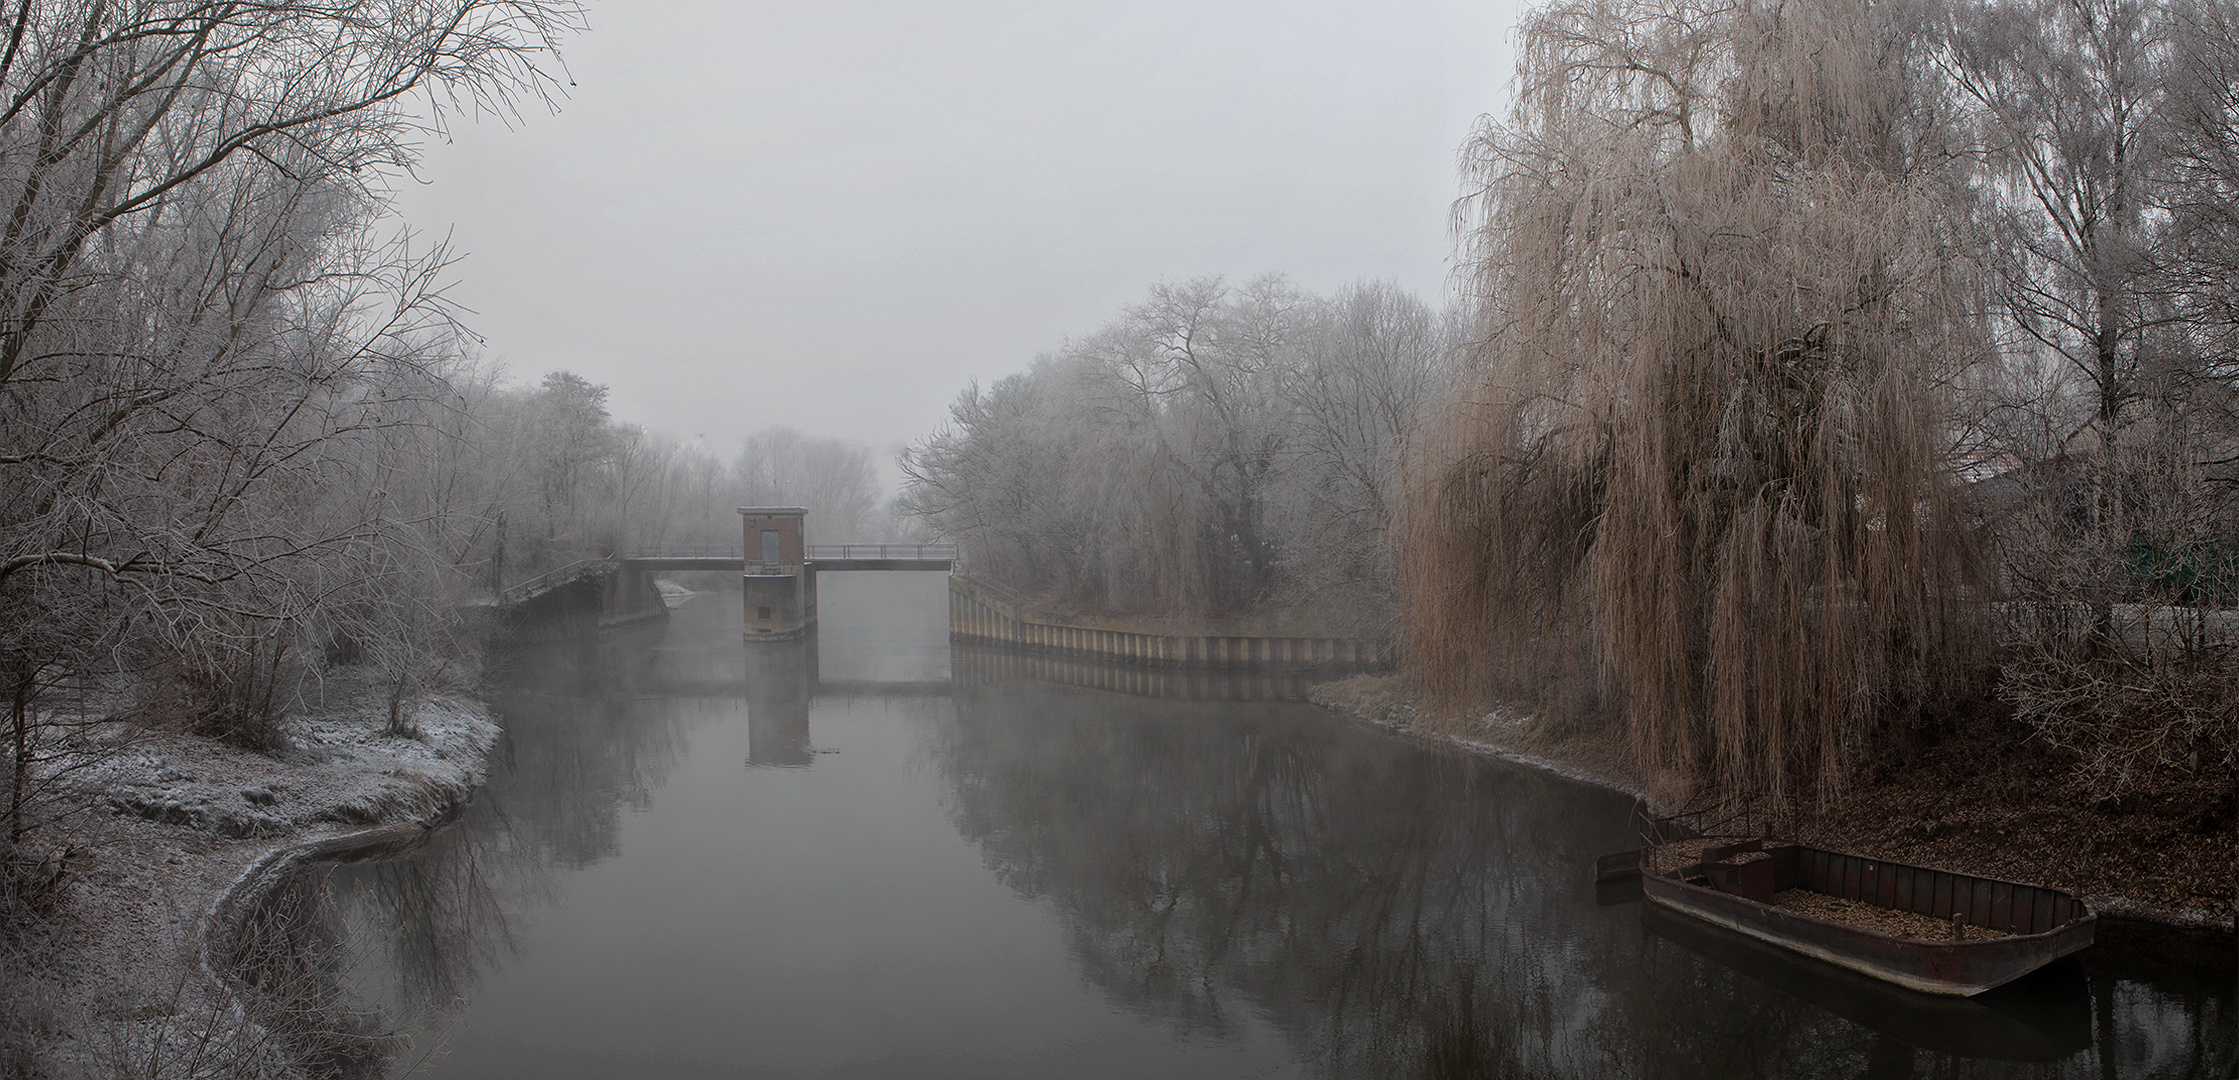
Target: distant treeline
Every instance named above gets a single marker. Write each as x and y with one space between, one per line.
1215 451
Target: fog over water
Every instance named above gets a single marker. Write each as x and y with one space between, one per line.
1750 409
699 859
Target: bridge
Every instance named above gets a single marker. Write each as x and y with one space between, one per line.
677 558
779 573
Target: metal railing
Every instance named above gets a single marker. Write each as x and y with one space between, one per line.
919 552
692 551
522 590
1005 593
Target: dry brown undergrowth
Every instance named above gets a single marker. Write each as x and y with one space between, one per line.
1977 802
1980 800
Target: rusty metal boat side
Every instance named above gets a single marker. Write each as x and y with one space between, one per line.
2041 925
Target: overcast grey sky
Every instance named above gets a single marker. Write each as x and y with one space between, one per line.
831 215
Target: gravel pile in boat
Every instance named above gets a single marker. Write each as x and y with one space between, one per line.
1890 921
1679 854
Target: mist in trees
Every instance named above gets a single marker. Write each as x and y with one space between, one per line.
1215 451
1836 362
556 480
221 369
832 478
247 442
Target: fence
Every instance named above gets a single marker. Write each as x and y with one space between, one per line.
735 553
916 552
523 590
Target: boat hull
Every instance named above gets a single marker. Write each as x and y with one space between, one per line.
2042 924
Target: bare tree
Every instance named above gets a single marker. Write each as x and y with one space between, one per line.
1214 451
2115 144
2200 246
2068 96
833 478
1000 478
201 334
1375 364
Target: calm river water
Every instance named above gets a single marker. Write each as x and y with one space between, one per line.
868 859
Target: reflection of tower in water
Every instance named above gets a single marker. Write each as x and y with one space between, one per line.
779 676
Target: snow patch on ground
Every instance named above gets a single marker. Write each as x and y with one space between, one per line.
343 769
172 832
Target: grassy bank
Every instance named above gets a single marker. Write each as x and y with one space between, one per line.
1966 799
174 839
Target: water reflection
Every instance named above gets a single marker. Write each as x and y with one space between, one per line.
1398 911
2045 1017
1246 876
1403 912
986 665
779 678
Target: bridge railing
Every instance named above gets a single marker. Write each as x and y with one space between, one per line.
919 552
692 551
522 590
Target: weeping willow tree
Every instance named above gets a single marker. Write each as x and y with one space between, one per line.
1697 493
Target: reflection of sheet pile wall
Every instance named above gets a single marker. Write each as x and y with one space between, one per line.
984 665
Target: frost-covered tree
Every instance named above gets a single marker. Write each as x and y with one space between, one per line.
1693 488
832 478
1214 450
1374 363
2109 125
204 339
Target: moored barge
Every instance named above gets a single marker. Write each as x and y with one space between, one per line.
1944 933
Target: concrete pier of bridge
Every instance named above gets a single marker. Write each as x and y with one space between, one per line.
780 590
781 568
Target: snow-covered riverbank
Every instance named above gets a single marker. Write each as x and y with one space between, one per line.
176 838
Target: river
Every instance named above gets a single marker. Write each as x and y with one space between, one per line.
868 858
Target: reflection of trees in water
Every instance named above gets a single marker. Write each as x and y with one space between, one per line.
584 738
1396 912
292 953
438 917
1674 1014
2170 1003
